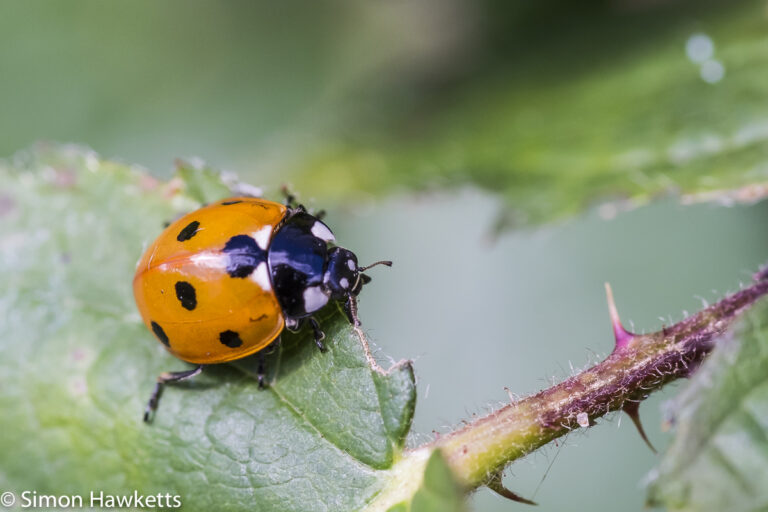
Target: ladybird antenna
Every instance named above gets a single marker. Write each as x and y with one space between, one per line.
382 262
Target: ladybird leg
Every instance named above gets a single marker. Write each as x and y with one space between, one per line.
319 334
164 379
292 324
290 199
350 308
270 349
261 370
295 207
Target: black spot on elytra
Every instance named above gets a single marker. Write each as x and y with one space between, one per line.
188 232
160 333
244 255
227 203
230 339
185 292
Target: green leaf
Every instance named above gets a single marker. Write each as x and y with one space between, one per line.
718 460
77 365
438 492
201 182
588 111
338 394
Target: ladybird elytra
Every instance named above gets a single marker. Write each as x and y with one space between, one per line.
196 283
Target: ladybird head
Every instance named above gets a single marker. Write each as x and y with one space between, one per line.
343 277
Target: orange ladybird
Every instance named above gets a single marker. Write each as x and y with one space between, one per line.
222 283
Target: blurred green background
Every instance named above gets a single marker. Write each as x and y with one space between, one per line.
395 116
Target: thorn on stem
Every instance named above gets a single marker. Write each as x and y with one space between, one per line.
633 411
622 336
495 484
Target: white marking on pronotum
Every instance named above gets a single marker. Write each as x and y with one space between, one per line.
262 236
351 264
314 299
582 419
322 232
260 276
344 282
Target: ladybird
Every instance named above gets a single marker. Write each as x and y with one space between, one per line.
223 282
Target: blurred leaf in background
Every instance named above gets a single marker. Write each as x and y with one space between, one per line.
570 103
242 83
554 105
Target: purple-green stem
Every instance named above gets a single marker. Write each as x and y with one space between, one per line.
638 365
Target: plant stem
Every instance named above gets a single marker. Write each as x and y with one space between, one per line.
636 367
